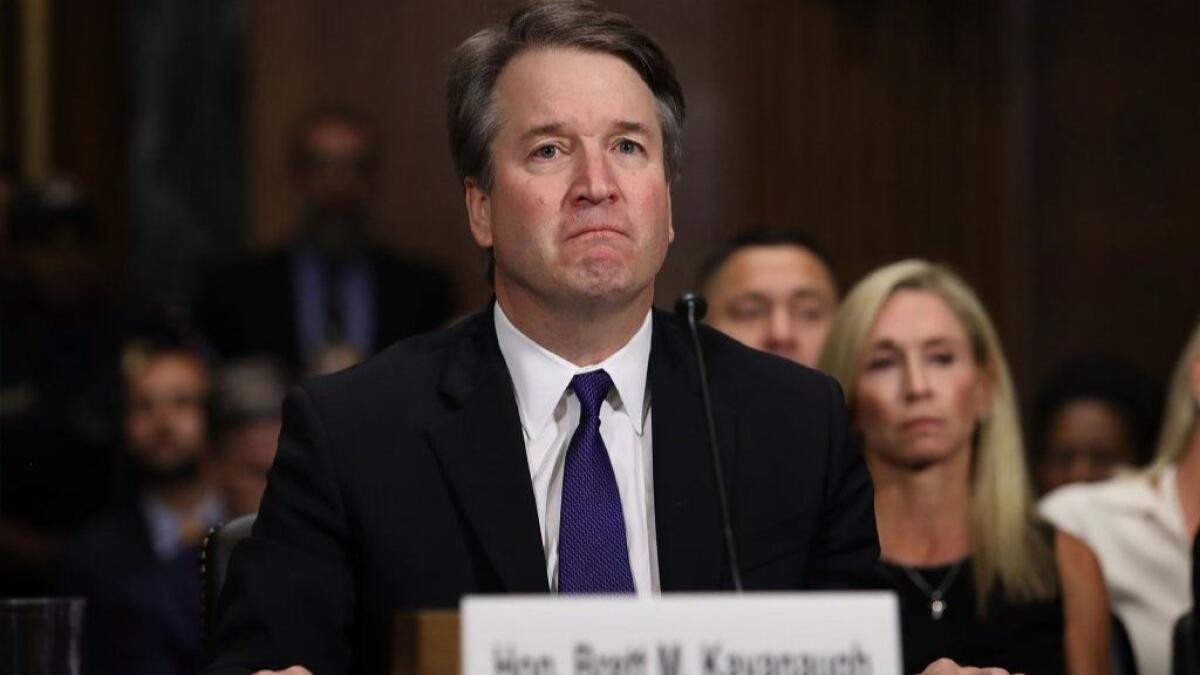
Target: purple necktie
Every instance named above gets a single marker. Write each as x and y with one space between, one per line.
592 553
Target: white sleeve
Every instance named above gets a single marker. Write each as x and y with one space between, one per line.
1067 509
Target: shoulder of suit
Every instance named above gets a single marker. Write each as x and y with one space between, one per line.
408 361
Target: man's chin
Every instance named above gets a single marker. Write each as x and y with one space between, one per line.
161 475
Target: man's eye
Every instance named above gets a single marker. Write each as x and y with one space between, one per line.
747 312
546 152
628 147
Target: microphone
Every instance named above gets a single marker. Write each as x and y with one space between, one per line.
692 307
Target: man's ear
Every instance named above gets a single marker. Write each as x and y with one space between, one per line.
670 218
479 212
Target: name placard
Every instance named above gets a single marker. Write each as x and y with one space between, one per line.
711 634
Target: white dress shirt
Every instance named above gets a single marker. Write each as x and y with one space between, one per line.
1135 526
549 415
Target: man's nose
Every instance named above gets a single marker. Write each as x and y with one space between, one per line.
594 180
781 333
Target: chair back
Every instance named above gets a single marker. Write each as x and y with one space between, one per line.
1185 660
214 562
1120 650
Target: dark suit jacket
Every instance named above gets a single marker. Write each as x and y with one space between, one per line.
142 614
250 309
1196 595
403 483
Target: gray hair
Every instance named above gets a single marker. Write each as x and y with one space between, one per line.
470 110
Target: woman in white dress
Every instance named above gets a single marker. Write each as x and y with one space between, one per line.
1125 545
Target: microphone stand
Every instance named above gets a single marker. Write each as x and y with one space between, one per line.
692 307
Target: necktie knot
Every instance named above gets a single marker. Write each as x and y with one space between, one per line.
591 389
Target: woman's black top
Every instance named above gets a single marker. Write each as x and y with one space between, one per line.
1025 637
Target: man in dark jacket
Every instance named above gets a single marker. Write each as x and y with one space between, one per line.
331 297
138 566
554 442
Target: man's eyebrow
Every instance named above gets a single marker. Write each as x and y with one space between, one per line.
807 292
548 129
630 127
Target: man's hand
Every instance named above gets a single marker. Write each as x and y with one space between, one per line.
294 670
948 667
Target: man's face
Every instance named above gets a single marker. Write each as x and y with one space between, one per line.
165 418
247 452
579 211
778 299
335 180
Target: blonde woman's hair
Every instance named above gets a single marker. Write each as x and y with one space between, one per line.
1180 418
1008 550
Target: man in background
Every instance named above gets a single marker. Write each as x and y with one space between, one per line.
772 290
138 566
59 334
249 402
331 297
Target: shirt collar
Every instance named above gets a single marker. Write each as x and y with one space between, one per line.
165 537
540 377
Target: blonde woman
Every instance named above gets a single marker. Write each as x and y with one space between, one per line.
931 398
1139 527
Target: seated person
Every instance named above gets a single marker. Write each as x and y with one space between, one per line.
772 290
249 413
332 296
1128 540
138 567
932 400
1094 416
59 335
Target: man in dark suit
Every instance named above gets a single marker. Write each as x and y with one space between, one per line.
137 566
330 297
555 441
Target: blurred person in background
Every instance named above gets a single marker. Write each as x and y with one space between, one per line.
58 338
932 401
332 296
1095 415
772 290
138 566
249 404
1128 541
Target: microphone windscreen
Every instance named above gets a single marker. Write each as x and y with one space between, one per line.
690 300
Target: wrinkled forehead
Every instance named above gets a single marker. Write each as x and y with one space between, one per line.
584 90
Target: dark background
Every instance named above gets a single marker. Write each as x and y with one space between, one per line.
1046 150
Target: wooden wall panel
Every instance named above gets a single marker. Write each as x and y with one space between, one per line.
1116 152
1044 150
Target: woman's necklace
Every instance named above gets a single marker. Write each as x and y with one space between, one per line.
937 606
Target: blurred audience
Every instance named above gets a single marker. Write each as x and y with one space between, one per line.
138 565
1095 415
249 403
58 339
772 290
1128 540
932 400
331 297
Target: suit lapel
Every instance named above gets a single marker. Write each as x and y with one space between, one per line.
687 511
482 453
